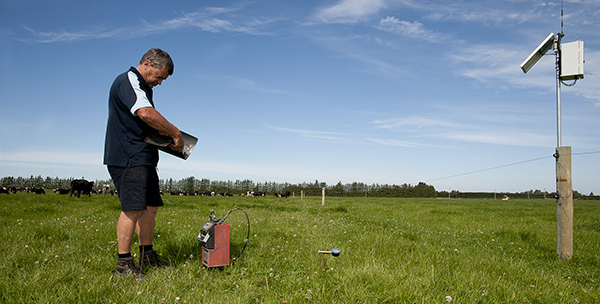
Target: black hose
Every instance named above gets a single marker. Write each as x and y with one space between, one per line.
247 237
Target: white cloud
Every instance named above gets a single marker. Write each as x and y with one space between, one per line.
409 29
347 138
499 64
334 137
413 122
481 12
398 143
350 11
65 36
508 138
438 129
205 20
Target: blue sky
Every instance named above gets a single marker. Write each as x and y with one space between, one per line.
374 91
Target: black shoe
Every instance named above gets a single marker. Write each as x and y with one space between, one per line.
152 259
127 266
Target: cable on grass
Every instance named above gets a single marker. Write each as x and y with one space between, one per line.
247 237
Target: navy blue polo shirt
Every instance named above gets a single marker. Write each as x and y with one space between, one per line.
125 131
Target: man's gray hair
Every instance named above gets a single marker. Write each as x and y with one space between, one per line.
159 59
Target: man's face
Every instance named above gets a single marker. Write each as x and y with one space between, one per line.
153 76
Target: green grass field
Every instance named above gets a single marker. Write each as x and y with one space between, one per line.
57 249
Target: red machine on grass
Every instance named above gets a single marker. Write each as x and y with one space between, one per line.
214 236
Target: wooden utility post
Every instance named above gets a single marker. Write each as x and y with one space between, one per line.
564 204
572 57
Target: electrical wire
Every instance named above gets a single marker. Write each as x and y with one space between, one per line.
569 84
586 153
489 169
507 165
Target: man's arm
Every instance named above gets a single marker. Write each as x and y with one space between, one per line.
155 120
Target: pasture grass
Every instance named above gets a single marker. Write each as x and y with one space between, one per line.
57 249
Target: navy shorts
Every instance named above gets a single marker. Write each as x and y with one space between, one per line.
137 187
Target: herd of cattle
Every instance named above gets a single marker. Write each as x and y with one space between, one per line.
78 187
83 187
15 189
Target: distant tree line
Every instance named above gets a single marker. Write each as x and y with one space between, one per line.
37 182
194 185
355 189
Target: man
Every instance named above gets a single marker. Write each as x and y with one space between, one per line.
132 162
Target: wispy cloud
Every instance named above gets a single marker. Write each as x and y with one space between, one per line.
432 131
398 143
497 64
349 138
416 132
350 11
413 122
206 21
413 29
481 14
509 138
214 20
66 36
333 137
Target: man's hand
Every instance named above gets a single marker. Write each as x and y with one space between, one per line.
154 119
178 143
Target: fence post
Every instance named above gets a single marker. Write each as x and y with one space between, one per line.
564 204
323 194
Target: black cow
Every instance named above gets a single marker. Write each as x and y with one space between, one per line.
81 186
3 190
62 191
286 194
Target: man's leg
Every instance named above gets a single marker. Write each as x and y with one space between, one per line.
145 231
125 229
145 225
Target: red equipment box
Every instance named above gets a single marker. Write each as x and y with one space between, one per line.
215 252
